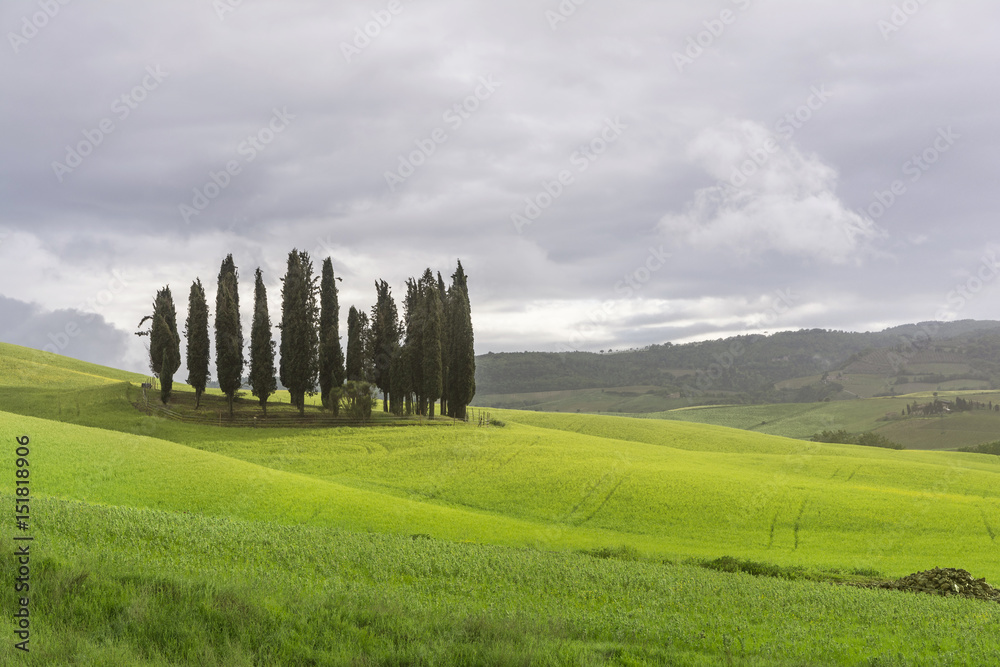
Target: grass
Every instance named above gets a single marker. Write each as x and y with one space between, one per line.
25 367
175 588
558 539
213 409
666 489
802 420
617 400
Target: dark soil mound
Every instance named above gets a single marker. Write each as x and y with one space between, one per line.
944 581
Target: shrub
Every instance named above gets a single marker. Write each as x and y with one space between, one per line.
623 552
867 439
757 569
357 399
987 448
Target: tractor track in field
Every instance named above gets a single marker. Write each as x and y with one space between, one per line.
774 522
590 493
989 528
516 454
851 476
604 502
586 496
797 520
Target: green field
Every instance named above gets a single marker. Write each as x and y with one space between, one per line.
555 539
881 415
617 400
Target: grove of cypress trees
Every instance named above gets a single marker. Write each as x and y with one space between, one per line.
331 354
262 380
198 343
425 357
299 337
229 360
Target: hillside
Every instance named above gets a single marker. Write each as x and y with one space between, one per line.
27 367
887 416
799 366
167 542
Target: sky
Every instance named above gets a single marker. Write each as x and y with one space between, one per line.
610 174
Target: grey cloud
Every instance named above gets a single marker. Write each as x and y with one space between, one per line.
73 333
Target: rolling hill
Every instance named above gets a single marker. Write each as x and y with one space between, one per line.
795 366
885 416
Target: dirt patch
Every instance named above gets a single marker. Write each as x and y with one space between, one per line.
942 581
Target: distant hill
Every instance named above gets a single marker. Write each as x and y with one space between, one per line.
797 366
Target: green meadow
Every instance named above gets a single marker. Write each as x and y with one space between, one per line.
881 415
554 539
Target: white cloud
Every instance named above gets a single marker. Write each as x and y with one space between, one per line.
770 197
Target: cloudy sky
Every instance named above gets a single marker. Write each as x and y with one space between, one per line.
611 174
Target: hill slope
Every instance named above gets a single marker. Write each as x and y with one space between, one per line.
26 367
887 416
753 368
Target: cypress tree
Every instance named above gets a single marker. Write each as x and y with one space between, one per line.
198 343
331 354
384 339
401 386
262 380
462 354
413 354
166 379
431 343
229 360
406 372
445 343
299 337
164 342
354 370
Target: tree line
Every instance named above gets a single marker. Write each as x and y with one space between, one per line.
417 360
